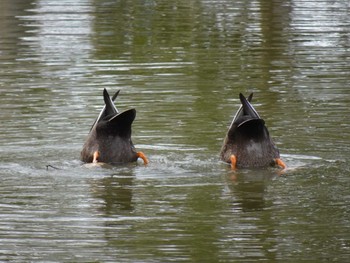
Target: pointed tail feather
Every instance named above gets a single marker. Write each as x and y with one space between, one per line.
248 109
239 112
107 111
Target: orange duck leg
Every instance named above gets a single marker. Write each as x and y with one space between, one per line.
96 155
233 159
143 157
280 163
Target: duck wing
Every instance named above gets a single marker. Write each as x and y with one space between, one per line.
118 124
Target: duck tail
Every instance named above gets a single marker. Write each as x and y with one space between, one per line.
248 108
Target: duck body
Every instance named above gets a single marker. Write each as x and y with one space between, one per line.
109 140
247 142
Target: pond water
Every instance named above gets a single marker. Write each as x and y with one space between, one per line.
181 64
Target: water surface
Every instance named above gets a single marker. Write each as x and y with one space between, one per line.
181 64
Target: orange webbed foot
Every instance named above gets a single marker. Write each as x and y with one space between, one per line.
280 163
233 160
95 156
143 157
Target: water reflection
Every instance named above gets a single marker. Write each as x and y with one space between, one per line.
250 221
181 64
12 29
116 193
248 188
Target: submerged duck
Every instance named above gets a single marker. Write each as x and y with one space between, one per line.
248 143
109 140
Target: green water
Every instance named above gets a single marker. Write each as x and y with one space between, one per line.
181 64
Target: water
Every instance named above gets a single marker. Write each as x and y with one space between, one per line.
182 65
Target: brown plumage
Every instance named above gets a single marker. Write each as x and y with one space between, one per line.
109 140
248 143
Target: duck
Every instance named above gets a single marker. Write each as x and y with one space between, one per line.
109 140
248 143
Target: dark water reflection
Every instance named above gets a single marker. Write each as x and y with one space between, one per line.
181 64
